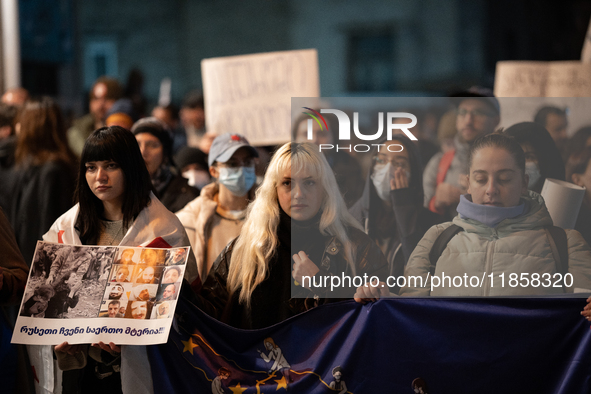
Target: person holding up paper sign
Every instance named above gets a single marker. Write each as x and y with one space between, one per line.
502 233
115 206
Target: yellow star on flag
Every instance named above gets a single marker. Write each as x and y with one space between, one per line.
281 383
189 345
237 389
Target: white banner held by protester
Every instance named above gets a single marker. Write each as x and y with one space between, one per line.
87 294
563 200
543 79
251 94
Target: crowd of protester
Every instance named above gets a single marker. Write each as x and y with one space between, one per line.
261 221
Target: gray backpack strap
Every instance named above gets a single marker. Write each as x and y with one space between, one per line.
440 244
559 247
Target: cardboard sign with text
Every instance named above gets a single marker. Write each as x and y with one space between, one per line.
543 79
251 94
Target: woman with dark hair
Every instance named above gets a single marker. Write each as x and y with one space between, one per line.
155 141
578 171
502 230
43 179
542 157
115 206
391 208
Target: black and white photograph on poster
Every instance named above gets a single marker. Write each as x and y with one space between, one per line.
168 291
143 292
147 274
152 257
162 310
176 257
121 273
139 310
128 256
112 308
117 291
66 281
72 291
173 274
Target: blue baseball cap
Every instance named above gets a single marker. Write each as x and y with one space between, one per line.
225 145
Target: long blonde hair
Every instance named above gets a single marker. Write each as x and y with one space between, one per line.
258 240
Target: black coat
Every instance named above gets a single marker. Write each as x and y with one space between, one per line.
398 228
39 195
177 194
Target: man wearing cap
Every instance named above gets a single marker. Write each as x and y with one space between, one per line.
444 179
215 218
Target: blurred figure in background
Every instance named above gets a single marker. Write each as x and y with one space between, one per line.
121 114
346 169
7 147
192 115
578 171
16 97
43 179
554 120
155 141
192 163
542 158
446 131
13 277
103 95
444 179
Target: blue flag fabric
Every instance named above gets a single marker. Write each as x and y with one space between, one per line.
390 346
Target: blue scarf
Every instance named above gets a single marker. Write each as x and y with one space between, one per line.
486 214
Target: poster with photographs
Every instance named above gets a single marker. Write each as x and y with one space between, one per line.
87 294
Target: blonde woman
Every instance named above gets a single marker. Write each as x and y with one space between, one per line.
298 226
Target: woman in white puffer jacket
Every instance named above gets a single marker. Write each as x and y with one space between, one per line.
502 231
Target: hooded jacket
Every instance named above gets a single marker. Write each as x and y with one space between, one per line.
517 245
399 227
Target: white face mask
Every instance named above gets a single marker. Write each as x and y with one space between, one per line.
381 180
237 180
197 178
532 169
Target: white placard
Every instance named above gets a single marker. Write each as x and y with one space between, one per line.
251 94
543 79
586 52
563 200
87 294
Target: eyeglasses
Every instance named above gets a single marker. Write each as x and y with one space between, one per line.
476 113
396 163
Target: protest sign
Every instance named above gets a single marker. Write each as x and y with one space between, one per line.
87 294
543 79
251 94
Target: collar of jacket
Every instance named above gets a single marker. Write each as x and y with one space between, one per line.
535 217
